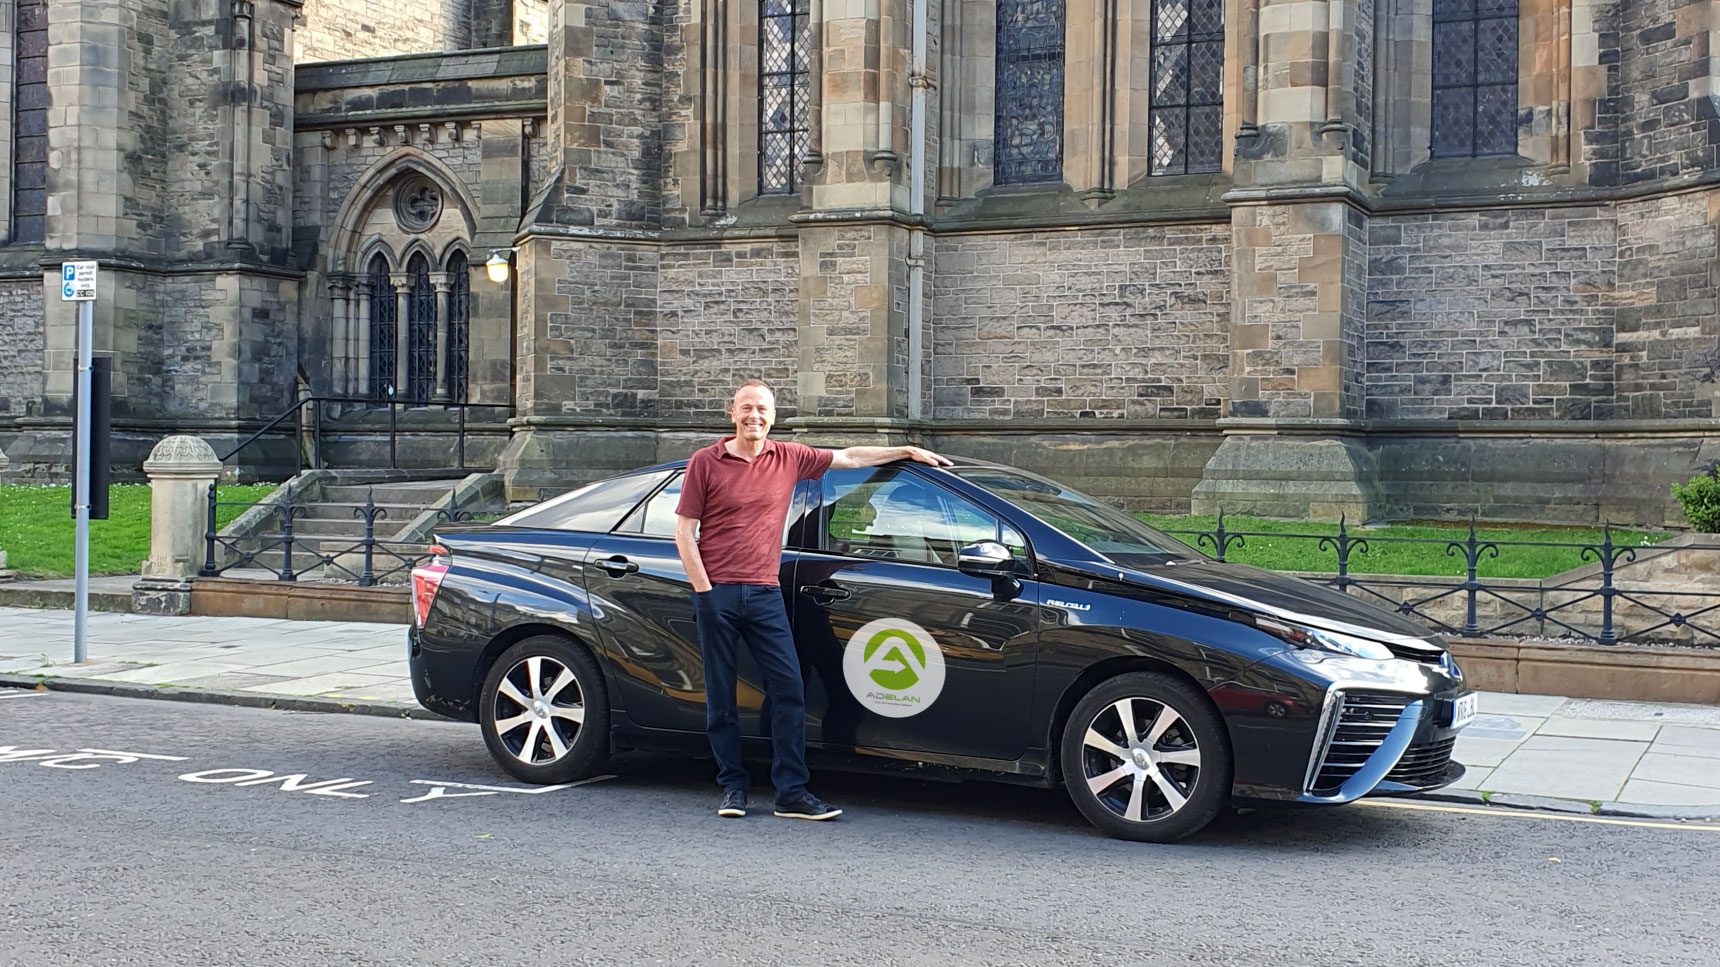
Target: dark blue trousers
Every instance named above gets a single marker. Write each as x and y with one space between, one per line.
725 614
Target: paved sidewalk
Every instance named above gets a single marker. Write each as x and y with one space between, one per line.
1579 755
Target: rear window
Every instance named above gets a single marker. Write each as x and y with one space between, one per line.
596 507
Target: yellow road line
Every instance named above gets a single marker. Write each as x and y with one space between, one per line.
1517 814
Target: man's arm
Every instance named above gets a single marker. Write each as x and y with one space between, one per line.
686 531
855 457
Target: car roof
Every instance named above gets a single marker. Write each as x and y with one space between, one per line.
956 462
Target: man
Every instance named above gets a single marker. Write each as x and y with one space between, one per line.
728 530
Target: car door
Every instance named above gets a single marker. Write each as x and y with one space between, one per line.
645 616
902 650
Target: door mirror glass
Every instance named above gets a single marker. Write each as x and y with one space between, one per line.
986 559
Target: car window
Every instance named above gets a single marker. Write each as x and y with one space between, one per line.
1107 530
890 514
656 517
593 507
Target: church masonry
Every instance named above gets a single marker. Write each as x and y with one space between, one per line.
1281 256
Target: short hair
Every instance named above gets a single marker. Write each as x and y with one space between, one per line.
753 382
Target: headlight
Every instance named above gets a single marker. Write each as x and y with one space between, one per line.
1303 636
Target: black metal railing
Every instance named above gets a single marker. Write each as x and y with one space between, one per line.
315 406
1517 607
288 556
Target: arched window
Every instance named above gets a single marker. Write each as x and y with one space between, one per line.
420 331
30 121
784 80
1187 102
1474 78
1028 129
459 323
382 328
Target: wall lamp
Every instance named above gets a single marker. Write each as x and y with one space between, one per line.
498 265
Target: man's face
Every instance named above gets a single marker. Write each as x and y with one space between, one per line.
752 412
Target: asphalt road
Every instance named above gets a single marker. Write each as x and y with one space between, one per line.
106 861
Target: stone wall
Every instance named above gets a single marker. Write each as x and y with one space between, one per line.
589 344
1501 314
21 335
727 313
1128 323
1667 113
605 109
346 29
1668 303
531 21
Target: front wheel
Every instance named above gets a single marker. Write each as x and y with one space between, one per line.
1146 757
544 711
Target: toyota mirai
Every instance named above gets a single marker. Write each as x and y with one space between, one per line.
971 621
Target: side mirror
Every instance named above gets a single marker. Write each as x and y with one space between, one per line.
986 559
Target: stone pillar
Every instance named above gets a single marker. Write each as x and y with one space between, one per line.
1299 287
402 333
180 470
443 312
362 335
854 240
340 338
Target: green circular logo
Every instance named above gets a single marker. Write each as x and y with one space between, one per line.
894 667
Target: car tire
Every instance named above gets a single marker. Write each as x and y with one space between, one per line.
1152 778
544 711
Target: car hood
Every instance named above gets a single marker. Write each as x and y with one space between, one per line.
1261 591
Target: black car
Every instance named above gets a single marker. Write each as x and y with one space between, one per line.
975 621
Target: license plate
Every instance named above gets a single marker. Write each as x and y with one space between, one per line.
1463 710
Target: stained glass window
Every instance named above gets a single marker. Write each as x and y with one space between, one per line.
382 329
784 79
1474 78
459 323
1028 129
420 331
1187 104
30 121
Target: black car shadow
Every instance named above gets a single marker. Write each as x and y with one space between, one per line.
1287 828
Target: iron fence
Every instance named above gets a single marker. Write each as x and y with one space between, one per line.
1595 605
367 561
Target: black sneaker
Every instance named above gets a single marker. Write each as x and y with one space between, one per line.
734 804
807 807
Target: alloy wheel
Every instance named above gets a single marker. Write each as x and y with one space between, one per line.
538 710
1141 759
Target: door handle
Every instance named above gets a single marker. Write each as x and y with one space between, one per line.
617 566
825 592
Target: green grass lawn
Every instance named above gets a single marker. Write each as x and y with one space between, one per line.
36 527
1391 557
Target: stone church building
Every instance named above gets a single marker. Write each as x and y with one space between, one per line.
1393 258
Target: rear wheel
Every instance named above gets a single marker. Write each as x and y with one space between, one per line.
1146 757
544 711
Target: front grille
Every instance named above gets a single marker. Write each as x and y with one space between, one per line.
1364 720
1429 656
1423 765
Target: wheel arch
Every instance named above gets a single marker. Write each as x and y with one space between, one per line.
1093 676
513 635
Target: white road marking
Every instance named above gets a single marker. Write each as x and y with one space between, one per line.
441 792
524 790
139 755
294 782
19 693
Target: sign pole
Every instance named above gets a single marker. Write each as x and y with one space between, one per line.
86 335
78 284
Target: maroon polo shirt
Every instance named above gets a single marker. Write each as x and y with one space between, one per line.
740 506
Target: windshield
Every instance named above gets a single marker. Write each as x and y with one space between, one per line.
1119 537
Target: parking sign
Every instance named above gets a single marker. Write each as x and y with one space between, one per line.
77 281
